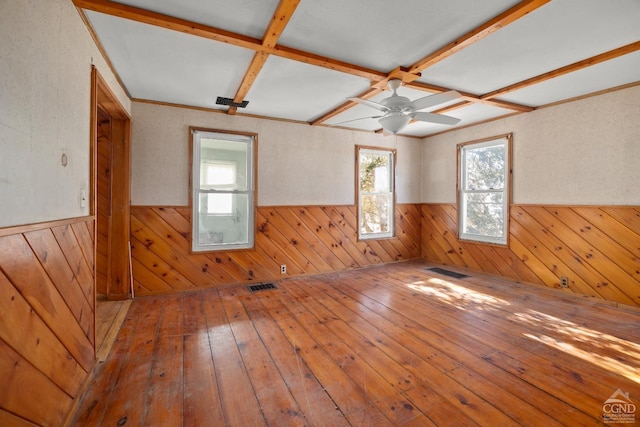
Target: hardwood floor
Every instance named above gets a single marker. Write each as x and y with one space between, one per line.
109 318
392 345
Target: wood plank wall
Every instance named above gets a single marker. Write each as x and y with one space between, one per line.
596 248
47 323
103 203
308 239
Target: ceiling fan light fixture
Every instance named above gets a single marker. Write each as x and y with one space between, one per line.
394 122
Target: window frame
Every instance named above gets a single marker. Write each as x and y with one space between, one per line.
500 140
392 153
195 133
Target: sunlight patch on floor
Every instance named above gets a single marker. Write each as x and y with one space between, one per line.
614 354
607 351
457 295
605 362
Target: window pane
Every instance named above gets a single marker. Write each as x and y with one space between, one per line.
485 168
374 173
233 228
217 176
224 164
484 214
216 203
376 213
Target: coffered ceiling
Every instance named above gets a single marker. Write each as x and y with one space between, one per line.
302 59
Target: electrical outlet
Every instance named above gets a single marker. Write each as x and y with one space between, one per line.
283 269
564 282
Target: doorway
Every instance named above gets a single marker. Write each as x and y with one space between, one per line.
110 175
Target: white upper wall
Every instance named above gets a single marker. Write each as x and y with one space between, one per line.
46 55
585 152
298 164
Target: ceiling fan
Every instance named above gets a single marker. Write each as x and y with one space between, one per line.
399 110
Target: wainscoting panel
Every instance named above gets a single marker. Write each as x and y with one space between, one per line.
308 239
47 326
596 248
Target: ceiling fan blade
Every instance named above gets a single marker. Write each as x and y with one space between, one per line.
423 116
431 100
355 120
371 104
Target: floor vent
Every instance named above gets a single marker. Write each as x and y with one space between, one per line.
448 273
262 287
228 101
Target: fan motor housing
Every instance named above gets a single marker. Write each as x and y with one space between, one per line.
395 102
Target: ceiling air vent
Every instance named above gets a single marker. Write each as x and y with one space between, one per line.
228 101
261 287
448 273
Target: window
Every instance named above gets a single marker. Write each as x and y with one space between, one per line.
484 189
376 198
223 196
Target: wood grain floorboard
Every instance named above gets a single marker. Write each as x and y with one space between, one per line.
391 345
109 318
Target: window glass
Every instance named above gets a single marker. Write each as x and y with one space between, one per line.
375 193
484 190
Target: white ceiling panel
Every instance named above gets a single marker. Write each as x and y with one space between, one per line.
383 35
168 66
617 72
560 33
247 17
283 89
421 129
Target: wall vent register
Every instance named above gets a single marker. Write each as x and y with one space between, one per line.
262 287
448 273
